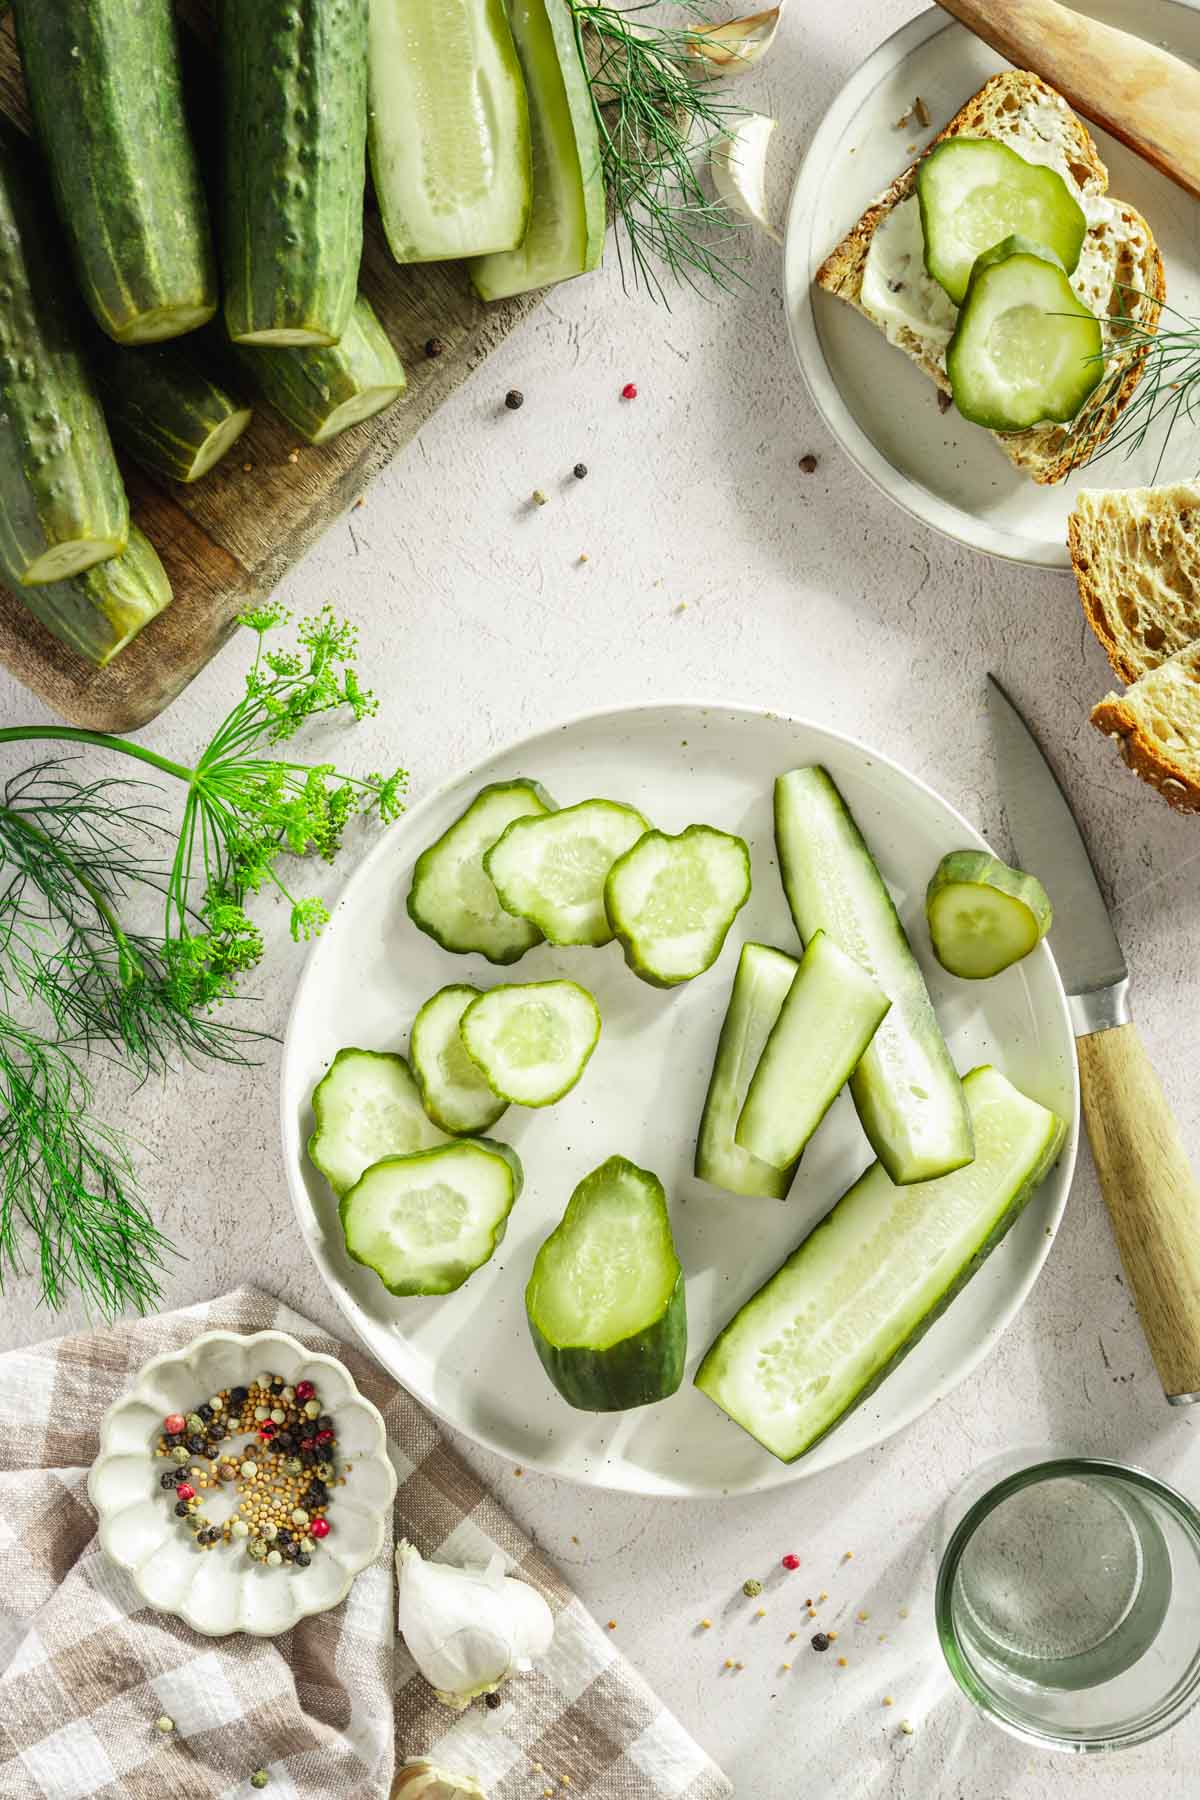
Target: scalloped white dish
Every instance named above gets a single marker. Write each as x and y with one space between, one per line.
221 1591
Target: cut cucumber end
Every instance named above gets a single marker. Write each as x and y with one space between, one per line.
671 901
453 1088
532 1040
219 441
287 337
71 557
363 406
984 916
427 1221
163 323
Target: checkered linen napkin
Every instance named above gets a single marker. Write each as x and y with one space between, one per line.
331 1708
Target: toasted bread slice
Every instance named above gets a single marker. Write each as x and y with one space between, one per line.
1156 722
1119 254
1136 553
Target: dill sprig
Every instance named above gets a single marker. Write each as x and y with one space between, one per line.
656 122
1167 394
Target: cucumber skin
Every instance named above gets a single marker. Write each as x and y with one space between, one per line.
1012 249
428 1100
459 1272
58 475
980 868
97 613
307 384
625 938
293 186
413 904
636 1372
161 406
106 95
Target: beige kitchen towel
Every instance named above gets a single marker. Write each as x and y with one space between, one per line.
332 1708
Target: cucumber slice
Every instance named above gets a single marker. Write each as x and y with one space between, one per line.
830 1013
984 916
551 869
605 1301
908 1096
455 1094
565 236
449 128
671 900
451 896
759 990
366 1105
1025 349
975 191
533 1039
427 1221
853 1299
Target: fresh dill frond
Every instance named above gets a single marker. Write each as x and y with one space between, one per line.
657 123
1167 396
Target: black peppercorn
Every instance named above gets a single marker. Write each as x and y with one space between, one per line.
289 1552
435 347
317 1495
239 1395
492 1701
308 1458
205 1410
172 1438
514 399
820 1641
181 1507
277 1386
579 471
303 1558
324 1423
197 1445
169 1479
285 1442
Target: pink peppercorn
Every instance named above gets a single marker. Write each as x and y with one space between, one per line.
629 391
319 1528
305 1390
174 1422
324 1437
267 1430
791 1561
184 1491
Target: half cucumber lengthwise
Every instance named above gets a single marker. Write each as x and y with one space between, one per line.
759 990
99 612
671 900
984 916
449 128
551 869
452 897
323 391
453 1088
908 1096
427 1221
605 1300
830 1013
973 192
366 1106
532 1040
165 410
851 1302
565 233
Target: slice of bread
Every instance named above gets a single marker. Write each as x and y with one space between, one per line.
1136 553
1119 254
1156 722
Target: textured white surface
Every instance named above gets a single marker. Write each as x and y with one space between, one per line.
717 568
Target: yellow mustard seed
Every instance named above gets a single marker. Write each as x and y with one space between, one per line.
729 1662
906 1726
791 1636
612 1624
863 1617
760 1612
888 1701
822 1595
706 1624
832 1636
842 1662
787 1665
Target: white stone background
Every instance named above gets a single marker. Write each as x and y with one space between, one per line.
717 569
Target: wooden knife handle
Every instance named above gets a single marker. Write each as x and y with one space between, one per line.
1144 96
1153 1198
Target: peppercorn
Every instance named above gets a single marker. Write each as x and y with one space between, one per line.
277 1385
492 1701
197 1445
174 1422
434 347
285 1442
303 1558
290 1553
752 1588
275 1559
239 1395
165 1722
324 1437
324 1423
539 497
808 464
629 391
204 1410
285 1536
579 471
319 1528
791 1560
514 399
195 1422
169 1479
181 1509
820 1640
172 1438
180 1454
309 1457
316 1494
259 1779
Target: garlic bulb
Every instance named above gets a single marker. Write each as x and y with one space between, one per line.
468 1630
735 46
423 1780
739 169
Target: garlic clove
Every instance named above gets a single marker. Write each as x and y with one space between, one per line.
739 169
734 47
468 1630
420 1779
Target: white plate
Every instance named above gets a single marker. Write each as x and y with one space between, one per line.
877 403
468 1355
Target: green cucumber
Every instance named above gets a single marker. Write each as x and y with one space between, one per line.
984 916
849 1304
452 897
425 1222
908 1096
565 236
97 613
759 990
533 1039
1025 349
449 128
323 391
973 192
165 411
106 94
294 95
551 869
671 900
605 1301
831 1012
62 500
453 1090
366 1106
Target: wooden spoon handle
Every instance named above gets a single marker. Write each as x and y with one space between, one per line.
1152 1195
1144 96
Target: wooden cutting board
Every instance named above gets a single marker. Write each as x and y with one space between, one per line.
227 541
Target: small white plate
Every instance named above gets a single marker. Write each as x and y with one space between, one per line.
877 403
469 1355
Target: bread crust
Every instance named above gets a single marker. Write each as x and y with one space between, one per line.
1147 758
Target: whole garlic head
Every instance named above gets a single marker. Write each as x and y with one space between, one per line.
468 1630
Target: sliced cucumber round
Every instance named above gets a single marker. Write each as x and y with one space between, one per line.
1025 349
366 1105
984 916
974 192
456 1096
532 1040
551 869
671 900
427 1221
452 897
605 1300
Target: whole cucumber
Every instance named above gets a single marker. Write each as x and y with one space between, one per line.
166 410
324 390
97 613
106 95
294 77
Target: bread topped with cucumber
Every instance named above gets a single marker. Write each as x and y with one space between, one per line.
996 261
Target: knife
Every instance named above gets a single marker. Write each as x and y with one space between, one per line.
1152 1195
